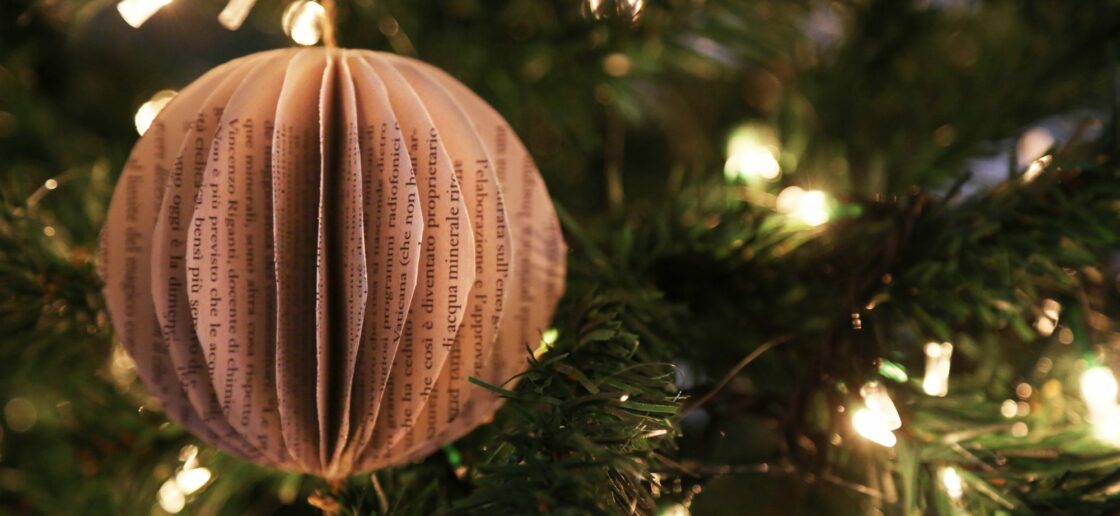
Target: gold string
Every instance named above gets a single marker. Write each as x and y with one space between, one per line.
329 24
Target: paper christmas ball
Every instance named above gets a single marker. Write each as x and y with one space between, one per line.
311 251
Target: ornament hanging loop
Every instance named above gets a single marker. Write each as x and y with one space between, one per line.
329 23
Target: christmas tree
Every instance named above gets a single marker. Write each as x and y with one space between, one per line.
825 257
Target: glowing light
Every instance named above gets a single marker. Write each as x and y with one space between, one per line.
675 510
1048 321
938 359
629 8
548 339
1036 168
233 15
809 207
752 152
150 110
878 401
191 480
121 368
871 427
951 481
1033 145
1009 408
170 497
1099 389
1020 429
303 21
893 371
136 12
50 184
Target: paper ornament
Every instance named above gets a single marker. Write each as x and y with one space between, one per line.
311 251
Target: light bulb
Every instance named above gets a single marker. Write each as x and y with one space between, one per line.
752 151
191 480
171 499
1099 389
878 401
303 22
136 12
233 15
809 207
1037 167
938 359
150 110
548 339
1033 144
872 428
951 480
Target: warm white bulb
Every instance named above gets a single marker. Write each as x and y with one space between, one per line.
1036 168
878 401
752 153
938 359
746 163
1099 389
303 22
171 499
136 12
872 428
150 110
809 207
234 13
548 339
1033 144
191 480
951 480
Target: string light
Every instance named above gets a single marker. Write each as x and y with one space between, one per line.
938 359
548 339
752 152
136 12
675 510
1033 144
1036 168
872 428
1047 322
893 371
809 207
190 478
629 8
170 497
1099 389
879 403
150 110
951 481
1009 408
233 15
303 21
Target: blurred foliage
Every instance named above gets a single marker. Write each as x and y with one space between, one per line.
897 109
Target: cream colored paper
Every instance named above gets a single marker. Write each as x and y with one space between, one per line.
313 250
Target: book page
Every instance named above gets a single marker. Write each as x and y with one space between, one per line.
296 177
229 276
446 274
126 251
452 396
